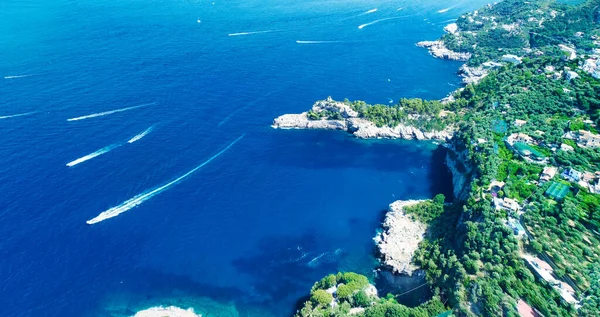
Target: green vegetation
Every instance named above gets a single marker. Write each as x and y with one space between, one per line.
428 210
321 298
511 25
352 293
472 259
415 112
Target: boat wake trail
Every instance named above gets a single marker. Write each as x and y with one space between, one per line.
362 26
18 115
141 198
105 113
447 9
370 11
250 33
141 135
317 42
17 76
360 14
450 20
93 155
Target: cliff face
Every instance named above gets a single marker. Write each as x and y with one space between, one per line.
461 171
351 123
400 238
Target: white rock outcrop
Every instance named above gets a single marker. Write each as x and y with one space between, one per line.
473 75
438 49
366 129
400 238
301 121
451 28
359 127
170 311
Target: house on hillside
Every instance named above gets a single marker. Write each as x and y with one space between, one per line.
584 138
519 137
548 173
595 187
566 147
572 175
506 204
520 123
588 139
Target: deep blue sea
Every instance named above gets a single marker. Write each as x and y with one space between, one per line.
249 232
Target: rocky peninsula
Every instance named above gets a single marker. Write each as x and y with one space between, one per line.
439 50
349 120
400 238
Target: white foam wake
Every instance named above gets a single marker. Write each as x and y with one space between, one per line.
250 33
17 76
316 42
447 9
141 135
362 26
105 113
93 155
141 198
18 115
370 11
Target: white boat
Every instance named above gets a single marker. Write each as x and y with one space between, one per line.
198 20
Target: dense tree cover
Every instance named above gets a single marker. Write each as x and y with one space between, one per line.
423 114
475 263
591 300
580 18
510 25
350 293
428 210
471 258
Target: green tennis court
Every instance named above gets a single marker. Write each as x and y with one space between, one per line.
526 149
557 190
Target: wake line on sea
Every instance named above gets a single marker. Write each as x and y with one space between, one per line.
317 42
94 154
18 115
106 113
370 11
361 14
254 32
141 198
447 9
17 76
141 135
362 26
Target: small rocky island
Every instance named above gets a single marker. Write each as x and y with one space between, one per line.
329 114
170 311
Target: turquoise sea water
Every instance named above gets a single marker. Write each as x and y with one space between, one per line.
250 231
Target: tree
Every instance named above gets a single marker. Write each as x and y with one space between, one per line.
321 298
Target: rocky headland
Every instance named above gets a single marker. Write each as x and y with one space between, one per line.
400 238
439 50
349 121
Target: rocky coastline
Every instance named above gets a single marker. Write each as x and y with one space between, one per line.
400 238
351 123
439 50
